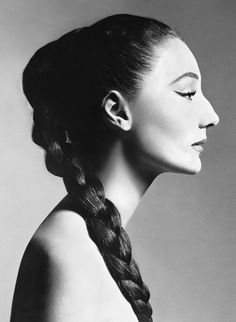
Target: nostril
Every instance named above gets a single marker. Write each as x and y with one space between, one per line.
214 122
210 125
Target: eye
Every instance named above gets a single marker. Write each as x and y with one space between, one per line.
188 95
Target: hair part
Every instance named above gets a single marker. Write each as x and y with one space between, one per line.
65 82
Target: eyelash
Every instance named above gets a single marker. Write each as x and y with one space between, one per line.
187 95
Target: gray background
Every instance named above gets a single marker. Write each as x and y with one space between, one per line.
183 232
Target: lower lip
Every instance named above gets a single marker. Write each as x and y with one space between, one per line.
197 147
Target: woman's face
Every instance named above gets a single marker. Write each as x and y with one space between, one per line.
170 113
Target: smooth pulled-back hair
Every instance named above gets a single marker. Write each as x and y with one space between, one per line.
65 82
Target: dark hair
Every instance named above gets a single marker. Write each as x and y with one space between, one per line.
65 82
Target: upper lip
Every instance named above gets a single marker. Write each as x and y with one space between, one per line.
200 142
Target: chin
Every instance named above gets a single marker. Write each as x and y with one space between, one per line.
194 168
194 171
191 168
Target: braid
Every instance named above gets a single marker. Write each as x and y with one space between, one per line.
102 218
104 227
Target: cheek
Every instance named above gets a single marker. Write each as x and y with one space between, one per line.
159 125
153 139
162 136
161 150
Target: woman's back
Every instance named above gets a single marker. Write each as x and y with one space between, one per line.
63 277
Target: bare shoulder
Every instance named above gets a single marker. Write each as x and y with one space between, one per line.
64 238
59 275
63 278
64 230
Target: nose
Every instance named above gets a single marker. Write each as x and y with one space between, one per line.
209 117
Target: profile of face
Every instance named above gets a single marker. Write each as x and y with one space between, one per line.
170 114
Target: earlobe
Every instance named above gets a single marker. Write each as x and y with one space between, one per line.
116 111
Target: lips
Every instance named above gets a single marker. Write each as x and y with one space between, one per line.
203 141
198 146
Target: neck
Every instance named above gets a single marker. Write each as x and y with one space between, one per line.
122 184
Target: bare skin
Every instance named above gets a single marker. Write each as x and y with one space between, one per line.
62 277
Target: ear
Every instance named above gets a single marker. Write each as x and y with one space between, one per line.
116 110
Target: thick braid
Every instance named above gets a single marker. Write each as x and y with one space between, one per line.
100 214
104 227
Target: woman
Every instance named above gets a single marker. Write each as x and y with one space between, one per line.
114 105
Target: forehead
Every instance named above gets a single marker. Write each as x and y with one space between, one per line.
171 61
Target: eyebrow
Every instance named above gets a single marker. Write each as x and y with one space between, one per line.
189 74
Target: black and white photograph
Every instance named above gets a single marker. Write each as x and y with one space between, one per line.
118 161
